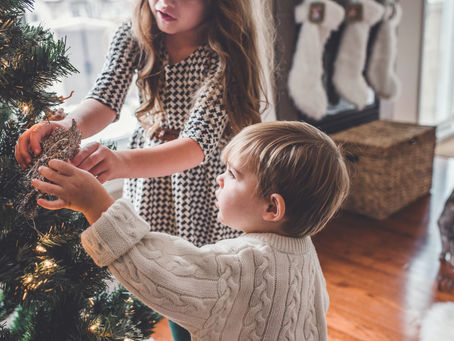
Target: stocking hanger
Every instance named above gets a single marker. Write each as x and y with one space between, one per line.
346 2
388 2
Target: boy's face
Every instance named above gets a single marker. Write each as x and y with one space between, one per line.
239 206
178 16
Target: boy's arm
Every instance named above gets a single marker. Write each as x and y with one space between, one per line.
172 276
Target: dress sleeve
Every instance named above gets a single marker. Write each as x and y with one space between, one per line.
112 84
172 276
207 118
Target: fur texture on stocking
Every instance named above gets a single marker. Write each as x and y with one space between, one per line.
438 324
381 70
349 65
305 77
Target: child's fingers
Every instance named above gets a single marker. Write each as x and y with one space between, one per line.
91 161
21 150
62 167
84 153
51 189
103 177
46 187
51 204
52 175
37 133
99 169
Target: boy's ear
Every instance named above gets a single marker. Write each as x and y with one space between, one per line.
275 211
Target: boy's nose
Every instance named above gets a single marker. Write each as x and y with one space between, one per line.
220 180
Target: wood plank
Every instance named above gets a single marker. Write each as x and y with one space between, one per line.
382 276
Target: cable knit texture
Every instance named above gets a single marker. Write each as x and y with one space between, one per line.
259 286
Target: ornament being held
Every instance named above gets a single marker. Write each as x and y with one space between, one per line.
61 144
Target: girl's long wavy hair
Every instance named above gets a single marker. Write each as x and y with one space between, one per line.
241 32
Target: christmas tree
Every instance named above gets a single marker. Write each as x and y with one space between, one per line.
49 288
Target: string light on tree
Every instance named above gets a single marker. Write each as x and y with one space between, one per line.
48 264
94 326
43 263
28 279
40 249
25 108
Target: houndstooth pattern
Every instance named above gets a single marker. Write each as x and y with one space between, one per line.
181 204
119 67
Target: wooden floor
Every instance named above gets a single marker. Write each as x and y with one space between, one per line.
382 275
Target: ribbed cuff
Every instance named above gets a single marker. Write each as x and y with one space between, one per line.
286 244
114 233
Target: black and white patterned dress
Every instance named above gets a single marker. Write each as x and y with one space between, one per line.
183 203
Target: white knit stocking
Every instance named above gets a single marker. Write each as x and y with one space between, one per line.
305 77
351 58
381 70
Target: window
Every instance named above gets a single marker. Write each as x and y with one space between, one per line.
88 26
437 87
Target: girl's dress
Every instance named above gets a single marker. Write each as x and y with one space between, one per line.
181 204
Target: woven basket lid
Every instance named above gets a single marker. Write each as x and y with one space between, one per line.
380 136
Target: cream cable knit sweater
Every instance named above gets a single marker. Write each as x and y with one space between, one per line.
256 287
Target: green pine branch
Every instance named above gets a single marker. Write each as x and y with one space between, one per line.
48 284
29 64
15 7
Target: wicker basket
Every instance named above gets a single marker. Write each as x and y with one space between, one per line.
390 165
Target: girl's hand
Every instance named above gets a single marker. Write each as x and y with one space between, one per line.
30 141
100 161
75 189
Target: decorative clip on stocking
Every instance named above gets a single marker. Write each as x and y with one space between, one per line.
381 70
350 61
305 86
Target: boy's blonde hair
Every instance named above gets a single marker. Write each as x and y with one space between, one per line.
299 162
241 33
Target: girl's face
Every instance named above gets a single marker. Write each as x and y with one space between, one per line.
178 16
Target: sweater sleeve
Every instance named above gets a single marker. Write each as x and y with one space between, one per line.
172 276
114 233
208 117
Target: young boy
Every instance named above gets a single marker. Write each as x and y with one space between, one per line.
283 182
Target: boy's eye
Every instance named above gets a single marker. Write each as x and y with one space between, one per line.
231 174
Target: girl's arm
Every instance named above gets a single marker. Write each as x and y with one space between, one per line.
161 160
104 104
165 159
91 116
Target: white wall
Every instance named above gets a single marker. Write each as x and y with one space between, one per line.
408 68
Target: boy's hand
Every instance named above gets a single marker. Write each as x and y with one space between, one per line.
75 189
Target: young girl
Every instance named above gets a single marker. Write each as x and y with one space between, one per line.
200 80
